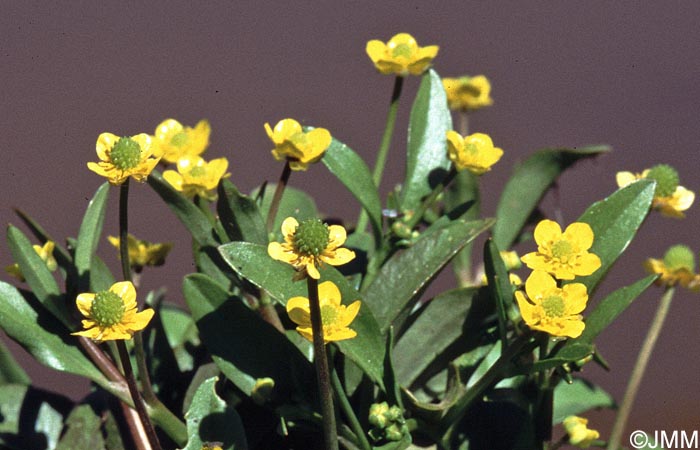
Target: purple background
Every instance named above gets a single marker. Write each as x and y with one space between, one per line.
563 74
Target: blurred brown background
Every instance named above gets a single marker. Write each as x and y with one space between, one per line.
563 74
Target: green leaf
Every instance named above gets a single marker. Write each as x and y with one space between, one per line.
180 332
63 258
240 215
235 335
294 203
42 336
615 220
577 398
10 370
196 222
610 308
38 276
528 184
499 286
210 419
83 430
254 264
403 277
352 171
427 161
89 235
569 353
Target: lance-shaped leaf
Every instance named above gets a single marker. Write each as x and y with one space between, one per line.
210 419
43 336
427 162
403 277
499 286
352 171
529 182
615 220
89 236
252 262
10 370
240 215
38 276
577 398
234 335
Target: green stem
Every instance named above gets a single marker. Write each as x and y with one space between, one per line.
136 396
639 369
124 230
348 411
384 146
277 197
330 433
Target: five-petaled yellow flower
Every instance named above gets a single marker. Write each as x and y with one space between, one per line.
299 148
111 315
335 317
175 140
468 93
143 253
121 158
549 308
195 176
579 434
564 255
401 55
475 152
677 267
45 252
672 205
309 244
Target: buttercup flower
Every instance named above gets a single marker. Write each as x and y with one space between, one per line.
564 255
195 176
309 244
111 315
121 158
45 252
579 434
335 317
549 308
468 93
401 55
670 199
677 267
175 140
475 152
143 253
296 146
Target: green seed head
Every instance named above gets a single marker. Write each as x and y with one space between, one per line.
311 237
107 309
553 306
666 178
679 257
125 154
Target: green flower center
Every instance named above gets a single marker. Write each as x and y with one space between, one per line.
125 154
679 257
198 171
107 309
562 249
311 237
666 178
179 139
401 50
471 149
329 315
553 306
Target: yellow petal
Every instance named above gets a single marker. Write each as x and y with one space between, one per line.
141 319
127 292
84 303
376 50
174 179
340 335
350 313
289 226
298 311
336 236
539 281
311 270
338 257
575 298
105 142
579 233
625 178
527 310
278 252
572 328
328 293
586 264
547 230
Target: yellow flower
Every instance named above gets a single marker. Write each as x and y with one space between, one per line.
475 152
212 446
309 244
672 205
550 308
111 314
296 146
121 158
335 317
579 434
45 252
175 140
468 93
564 255
401 55
677 267
195 176
143 253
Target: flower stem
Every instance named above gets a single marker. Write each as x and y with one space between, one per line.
384 146
124 229
428 202
277 197
330 433
349 413
639 369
